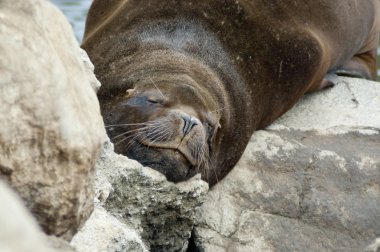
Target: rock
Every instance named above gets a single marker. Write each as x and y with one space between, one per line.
374 246
162 214
103 232
89 67
309 182
58 244
51 129
19 231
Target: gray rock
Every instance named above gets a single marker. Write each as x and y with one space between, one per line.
51 129
309 182
19 231
143 204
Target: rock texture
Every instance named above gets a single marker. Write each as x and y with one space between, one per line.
137 209
19 232
103 232
51 129
309 182
374 246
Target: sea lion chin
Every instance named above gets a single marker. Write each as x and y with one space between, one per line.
186 83
169 162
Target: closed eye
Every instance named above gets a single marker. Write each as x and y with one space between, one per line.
155 101
136 101
152 101
142 100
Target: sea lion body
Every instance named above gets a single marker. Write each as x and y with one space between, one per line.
203 75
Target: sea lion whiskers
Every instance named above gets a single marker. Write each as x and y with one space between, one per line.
129 124
159 137
137 132
135 135
165 134
209 161
202 155
146 125
203 159
157 134
131 141
163 96
219 109
199 159
160 124
280 70
157 125
129 131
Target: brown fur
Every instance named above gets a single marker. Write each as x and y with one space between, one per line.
240 64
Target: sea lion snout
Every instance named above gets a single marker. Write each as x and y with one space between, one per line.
189 123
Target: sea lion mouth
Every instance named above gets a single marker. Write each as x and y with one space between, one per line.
170 162
177 150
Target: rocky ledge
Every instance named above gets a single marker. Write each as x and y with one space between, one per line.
309 182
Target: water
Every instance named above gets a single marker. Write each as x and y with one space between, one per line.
76 12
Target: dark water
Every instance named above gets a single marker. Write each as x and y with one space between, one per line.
76 11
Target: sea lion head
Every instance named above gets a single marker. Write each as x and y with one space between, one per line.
168 123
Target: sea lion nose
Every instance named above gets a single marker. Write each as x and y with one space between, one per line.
189 123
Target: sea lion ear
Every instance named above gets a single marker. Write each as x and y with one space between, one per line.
129 92
219 126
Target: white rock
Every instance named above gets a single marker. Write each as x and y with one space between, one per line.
103 232
51 129
19 231
374 246
353 103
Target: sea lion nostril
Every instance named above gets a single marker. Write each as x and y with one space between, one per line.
189 124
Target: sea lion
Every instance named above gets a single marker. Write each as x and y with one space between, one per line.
185 83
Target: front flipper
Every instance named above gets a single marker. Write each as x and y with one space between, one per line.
328 81
360 66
